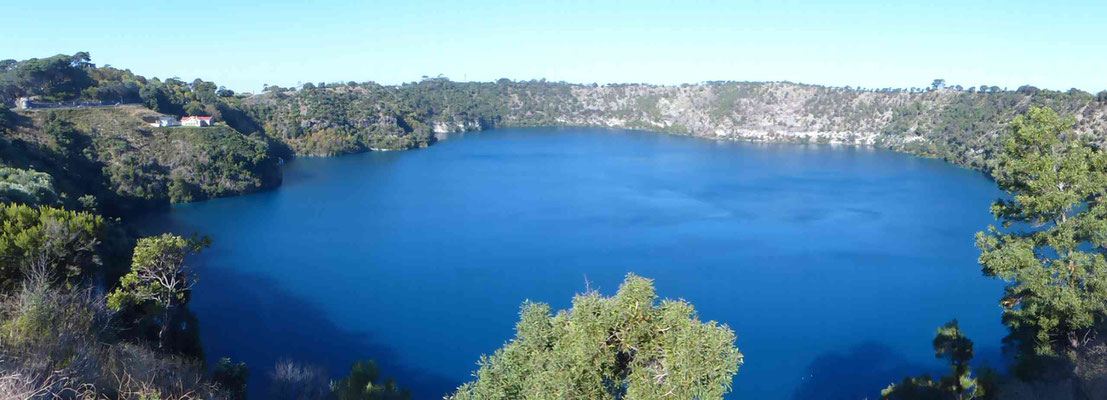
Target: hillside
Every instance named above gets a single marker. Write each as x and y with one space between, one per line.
957 125
111 154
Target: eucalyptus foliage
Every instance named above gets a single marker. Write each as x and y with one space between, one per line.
53 241
158 277
624 347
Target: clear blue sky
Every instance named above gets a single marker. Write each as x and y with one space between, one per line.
243 44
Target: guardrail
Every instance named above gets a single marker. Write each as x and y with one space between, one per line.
74 104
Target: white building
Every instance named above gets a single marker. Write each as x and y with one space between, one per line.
166 120
196 120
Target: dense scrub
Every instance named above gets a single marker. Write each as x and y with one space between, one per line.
111 155
56 341
58 337
338 120
26 187
960 126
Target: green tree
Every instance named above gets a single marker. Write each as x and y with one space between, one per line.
89 203
180 190
915 388
65 137
7 118
1028 90
621 347
154 97
194 108
951 345
158 277
362 384
1055 229
231 377
56 78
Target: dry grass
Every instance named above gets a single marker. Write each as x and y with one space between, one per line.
53 346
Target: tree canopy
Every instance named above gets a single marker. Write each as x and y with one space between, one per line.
622 347
364 383
48 240
951 345
1054 229
158 277
60 77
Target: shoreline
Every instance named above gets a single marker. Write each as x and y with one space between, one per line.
733 139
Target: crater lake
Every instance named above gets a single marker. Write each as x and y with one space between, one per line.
834 265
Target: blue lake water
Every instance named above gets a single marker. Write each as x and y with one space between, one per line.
834 265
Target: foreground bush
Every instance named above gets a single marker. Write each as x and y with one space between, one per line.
622 347
54 344
53 241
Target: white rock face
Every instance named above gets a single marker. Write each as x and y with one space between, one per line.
778 112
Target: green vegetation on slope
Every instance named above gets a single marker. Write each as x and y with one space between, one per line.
113 156
958 126
339 120
26 187
112 153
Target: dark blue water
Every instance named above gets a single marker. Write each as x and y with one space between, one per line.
834 265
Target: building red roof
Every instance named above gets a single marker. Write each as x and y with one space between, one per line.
199 117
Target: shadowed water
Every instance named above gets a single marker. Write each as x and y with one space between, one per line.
824 260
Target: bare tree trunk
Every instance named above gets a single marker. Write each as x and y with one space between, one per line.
164 328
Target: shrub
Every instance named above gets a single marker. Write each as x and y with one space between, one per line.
621 347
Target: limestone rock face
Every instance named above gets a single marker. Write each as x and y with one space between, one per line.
960 126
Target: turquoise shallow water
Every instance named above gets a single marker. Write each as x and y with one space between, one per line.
834 265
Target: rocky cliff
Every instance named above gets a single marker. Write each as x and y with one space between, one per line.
957 125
